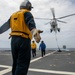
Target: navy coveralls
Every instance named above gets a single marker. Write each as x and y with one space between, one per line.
20 47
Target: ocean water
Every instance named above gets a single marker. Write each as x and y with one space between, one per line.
3 49
67 49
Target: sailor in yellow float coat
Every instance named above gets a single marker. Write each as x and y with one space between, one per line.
33 47
22 28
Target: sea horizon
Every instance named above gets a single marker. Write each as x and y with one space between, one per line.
67 49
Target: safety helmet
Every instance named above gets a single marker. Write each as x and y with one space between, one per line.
26 5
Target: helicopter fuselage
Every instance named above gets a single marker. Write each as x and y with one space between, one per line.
54 26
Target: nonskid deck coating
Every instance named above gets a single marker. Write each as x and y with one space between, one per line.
53 63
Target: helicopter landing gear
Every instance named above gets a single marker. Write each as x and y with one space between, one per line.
59 50
50 30
58 29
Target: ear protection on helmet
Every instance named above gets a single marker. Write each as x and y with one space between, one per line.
28 5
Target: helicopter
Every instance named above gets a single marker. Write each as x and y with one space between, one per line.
54 20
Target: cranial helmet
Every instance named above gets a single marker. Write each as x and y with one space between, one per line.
26 5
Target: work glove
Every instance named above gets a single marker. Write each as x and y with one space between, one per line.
36 35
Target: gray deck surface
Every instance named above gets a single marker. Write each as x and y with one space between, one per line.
53 63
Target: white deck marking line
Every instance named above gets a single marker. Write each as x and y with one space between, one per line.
4 66
36 70
52 71
5 70
41 57
9 67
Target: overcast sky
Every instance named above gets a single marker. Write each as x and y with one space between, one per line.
42 10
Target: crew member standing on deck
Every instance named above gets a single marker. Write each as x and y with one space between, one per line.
22 29
33 47
42 47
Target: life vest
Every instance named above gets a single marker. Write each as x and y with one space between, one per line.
18 25
33 46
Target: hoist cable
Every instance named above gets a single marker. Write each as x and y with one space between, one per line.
57 41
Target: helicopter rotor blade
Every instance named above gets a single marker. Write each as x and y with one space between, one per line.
43 18
66 16
53 12
61 21
47 23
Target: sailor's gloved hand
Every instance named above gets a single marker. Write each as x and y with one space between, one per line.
36 35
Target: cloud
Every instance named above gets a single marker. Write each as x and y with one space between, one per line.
42 10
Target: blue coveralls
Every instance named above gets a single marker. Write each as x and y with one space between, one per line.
42 47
